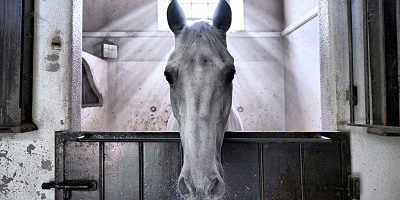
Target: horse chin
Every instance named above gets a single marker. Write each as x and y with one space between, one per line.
201 197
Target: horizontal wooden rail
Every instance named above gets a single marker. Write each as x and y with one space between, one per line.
254 137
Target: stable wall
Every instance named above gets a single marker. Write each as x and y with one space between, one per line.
136 80
302 66
27 159
137 83
119 16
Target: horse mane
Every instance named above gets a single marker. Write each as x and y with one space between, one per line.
201 34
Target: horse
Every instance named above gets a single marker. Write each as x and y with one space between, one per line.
200 71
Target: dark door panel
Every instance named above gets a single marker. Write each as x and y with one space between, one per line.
282 171
82 163
241 170
121 170
257 165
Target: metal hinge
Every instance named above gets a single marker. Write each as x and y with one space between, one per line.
354 187
351 95
354 95
69 186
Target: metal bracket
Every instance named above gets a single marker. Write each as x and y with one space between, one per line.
354 95
354 187
69 186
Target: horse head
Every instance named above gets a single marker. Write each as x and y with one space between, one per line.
200 71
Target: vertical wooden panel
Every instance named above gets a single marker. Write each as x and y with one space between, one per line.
322 171
10 63
391 63
282 171
27 60
162 165
241 174
59 163
377 60
121 171
82 163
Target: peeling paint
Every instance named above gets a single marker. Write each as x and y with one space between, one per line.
52 57
3 154
46 164
43 196
4 186
56 41
53 67
30 148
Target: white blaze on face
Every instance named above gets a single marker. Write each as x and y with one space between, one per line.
201 96
200 73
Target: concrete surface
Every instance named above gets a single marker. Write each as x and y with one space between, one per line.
121 15
302 78
263 15
27 159
294 9
133 48
376 160
137 88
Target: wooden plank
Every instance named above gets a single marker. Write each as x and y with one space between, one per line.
27 60
121 171
82 163
59 165
241 172
282 171
10 64
391 63
162 165
377 61
323 171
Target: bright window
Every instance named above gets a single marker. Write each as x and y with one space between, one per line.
196 10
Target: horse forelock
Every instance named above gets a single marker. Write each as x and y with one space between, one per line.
197 35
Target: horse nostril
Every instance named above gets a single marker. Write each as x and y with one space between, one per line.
183 187
217 188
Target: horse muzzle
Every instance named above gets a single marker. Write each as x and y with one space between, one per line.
212 187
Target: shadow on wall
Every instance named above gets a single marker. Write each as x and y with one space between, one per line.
302 79
96 118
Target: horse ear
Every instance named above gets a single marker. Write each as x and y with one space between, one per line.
222 16
176 17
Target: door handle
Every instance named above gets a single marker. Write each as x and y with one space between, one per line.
69 186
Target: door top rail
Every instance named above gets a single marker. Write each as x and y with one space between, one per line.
243 136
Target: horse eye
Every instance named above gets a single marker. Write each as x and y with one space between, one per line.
168 76
230 75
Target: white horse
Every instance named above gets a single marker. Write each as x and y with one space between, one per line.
200 71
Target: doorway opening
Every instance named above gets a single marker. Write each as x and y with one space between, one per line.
276 88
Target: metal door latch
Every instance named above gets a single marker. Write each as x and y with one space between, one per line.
69 186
